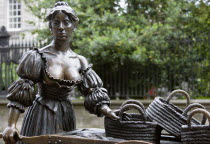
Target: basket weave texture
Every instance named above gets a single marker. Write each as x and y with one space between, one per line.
136 128
169 116
196 134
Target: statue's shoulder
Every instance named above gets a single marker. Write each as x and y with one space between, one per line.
45 48
83 61
48 51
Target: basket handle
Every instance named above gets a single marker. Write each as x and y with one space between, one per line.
197 105
133 102
179 91
199 110
128 107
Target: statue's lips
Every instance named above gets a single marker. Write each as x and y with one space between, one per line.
61 35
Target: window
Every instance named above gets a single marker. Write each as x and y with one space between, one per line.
14 14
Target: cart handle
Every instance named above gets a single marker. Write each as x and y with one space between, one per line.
179 91
43 139
197 105
199 110
133 102
128 107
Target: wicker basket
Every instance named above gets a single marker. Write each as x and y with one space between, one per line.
132 116
169 116
196 134
136 128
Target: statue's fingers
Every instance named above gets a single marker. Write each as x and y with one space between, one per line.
6 139
11 139
117 117
116 111
17 136
114 116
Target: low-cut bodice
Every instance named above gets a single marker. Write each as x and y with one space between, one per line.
60 67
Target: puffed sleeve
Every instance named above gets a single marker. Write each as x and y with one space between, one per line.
21 92
92 88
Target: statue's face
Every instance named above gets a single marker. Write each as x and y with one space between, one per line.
62 27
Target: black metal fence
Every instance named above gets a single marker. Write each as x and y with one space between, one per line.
9 59
144 81
188 68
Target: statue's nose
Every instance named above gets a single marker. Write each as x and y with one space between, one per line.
61 26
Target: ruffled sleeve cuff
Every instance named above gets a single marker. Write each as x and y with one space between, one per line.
94 100
21 93
95 94
16 105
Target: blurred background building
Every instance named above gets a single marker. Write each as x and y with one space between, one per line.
15 16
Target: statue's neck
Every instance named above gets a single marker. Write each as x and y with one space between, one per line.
62 46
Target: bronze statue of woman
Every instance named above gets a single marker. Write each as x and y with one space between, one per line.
57 70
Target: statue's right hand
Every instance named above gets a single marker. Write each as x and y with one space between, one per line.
11 135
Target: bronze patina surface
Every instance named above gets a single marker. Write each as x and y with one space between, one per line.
57 70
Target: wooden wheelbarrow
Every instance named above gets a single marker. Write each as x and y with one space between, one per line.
58 139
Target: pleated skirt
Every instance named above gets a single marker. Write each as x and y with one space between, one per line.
40 120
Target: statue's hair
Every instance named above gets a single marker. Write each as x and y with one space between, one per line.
65 8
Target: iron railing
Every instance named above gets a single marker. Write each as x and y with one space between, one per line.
134 81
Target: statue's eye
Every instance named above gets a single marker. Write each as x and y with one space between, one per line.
56 23
67 22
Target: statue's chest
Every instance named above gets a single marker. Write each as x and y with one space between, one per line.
64 67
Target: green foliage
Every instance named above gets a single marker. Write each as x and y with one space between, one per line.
147 33
8 74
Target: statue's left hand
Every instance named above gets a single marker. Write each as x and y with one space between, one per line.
105 110
112 114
